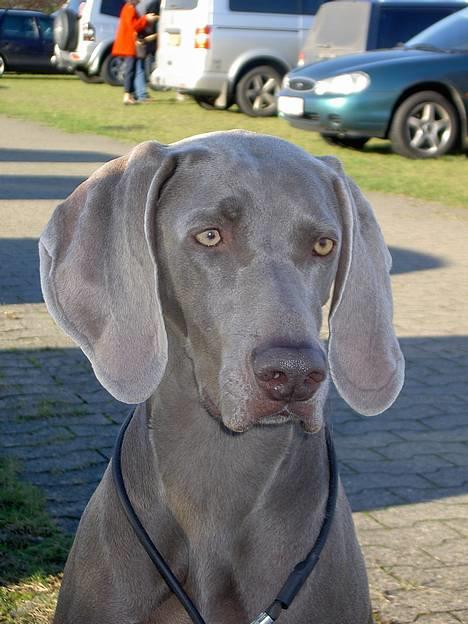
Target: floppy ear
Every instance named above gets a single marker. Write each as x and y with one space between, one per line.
99 275
365 360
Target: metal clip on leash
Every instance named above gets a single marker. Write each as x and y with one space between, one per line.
295 580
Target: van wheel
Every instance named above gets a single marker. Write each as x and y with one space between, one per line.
424 126
208 102
256 91
66 29
205 101
2 65
82 75
112 70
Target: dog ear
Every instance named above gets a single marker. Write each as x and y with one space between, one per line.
365 360
99 275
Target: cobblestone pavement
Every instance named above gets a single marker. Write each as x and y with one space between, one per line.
405 471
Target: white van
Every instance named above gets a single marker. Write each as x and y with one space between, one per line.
230 51
84 32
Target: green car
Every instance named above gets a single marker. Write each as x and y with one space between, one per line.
415 95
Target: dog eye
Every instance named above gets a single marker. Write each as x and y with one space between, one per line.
324 246
209 238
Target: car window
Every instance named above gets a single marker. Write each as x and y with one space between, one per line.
341 25
310 7
46 24
180 4
19 27
397 24
74 5
451 33
112 7
267 6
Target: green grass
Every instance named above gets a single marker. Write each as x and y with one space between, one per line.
68 104
32 552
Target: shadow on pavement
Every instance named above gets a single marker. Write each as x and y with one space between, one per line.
19 277
62 424
408 261
19 259
60 156
38 186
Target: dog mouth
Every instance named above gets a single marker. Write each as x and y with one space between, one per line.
261 413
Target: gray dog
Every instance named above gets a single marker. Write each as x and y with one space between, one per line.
193 277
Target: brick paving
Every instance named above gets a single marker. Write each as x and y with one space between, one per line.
406 471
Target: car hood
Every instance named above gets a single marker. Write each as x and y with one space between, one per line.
367 61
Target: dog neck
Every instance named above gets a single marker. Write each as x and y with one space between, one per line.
208 472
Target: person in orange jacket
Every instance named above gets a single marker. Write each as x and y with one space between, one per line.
130 24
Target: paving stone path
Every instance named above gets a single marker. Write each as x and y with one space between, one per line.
406 471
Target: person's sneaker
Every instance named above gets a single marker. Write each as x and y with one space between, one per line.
129 100
146 100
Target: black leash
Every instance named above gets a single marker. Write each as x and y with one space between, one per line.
295 580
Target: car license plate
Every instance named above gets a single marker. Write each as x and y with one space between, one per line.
291 105
173 39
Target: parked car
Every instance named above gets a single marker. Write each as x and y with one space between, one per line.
414 95
226 51
26 41
84 33
350 26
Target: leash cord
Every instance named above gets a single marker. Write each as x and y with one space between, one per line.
295 580
145 540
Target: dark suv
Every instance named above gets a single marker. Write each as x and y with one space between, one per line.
349 26
26 41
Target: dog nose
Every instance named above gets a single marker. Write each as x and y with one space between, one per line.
288 373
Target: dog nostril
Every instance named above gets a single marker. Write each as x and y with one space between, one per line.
275 376
315 377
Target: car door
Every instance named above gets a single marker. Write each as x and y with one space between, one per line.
21 41
46 28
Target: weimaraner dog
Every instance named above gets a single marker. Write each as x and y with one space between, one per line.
193 277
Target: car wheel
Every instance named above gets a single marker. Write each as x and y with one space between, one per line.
208 102
2 65
256 91
112 70
424 126
352 142
66 30
82 75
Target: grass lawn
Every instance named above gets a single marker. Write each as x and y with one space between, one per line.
67 103
32 552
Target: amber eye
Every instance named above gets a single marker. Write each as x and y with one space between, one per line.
324 246
209 238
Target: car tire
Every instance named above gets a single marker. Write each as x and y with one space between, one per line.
66 29
2 65
112 70
82 75
256 91
356 143
208 102
425 125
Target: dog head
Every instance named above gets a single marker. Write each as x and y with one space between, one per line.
232 241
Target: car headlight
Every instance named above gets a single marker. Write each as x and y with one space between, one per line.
344 84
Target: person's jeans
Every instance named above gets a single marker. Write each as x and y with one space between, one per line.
129 77
140 79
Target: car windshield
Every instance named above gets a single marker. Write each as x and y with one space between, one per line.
450 33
